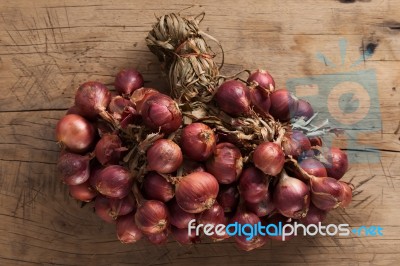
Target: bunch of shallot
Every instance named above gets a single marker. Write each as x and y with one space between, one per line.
218 153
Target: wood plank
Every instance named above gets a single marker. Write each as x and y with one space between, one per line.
48 48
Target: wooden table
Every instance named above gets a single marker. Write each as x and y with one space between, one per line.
47 48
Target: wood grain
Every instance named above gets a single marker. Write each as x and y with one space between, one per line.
48 48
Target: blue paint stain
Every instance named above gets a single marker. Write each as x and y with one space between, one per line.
323 59
343 49
349 103
367 53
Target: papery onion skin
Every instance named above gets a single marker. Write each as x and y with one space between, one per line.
114 181
338 163
291 196
347 194
160 112
164 156
233 98
178 217
198 141
75 132
127 230
73 168
283 105
269 158
157 187
326 193
226 164
92 98
139 96
152 217
263 79
315 141
127 81
108 149
83 192
196 192
119 105
253 185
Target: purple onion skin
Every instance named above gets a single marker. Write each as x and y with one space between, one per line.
313 167
291 146
253 185
75 133
233 98
338 163
178 217
182 236
127 230
260 101
314 216
73 168
275 219
226 164
114 181
158 238
269 158
108 149
283 105
263 208
157 187
302 139
326 193
196 192
160 112
304 109
291 197
127 81
110 209
92 98
83 192
263 79
228 198
245 217
198 141
164 156
152 217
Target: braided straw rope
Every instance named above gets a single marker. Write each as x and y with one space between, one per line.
185 56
